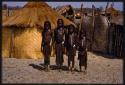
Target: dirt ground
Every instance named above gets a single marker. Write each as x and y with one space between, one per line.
101 70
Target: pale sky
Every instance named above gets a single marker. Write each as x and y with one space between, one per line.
117 5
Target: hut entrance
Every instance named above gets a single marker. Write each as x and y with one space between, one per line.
11 53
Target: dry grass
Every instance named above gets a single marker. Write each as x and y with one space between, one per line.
26 43
35 14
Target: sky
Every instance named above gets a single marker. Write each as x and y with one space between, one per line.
117 5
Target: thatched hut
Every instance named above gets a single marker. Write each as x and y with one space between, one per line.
115 34
67 11
21 37
111 10
104 35
96 27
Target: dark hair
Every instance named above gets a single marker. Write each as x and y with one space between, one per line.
49 24
61 21
71 27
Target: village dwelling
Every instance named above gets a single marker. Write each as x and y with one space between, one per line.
21 33
67 11
104 32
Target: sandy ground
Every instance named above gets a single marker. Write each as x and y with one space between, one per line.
101 70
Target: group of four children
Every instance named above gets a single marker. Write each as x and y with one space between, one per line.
65 40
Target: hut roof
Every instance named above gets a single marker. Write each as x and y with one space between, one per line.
111 10
64 9
35 14
118 20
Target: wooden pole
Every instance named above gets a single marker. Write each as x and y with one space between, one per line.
93 15
120 42
81 20
81 8
93 25
116 37
106 7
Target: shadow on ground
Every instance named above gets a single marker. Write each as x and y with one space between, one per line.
37 66
52 67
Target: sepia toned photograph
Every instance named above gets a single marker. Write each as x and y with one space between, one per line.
62 42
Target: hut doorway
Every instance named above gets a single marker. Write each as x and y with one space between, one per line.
11 50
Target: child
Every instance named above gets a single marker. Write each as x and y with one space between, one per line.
82 51
71 47
46 44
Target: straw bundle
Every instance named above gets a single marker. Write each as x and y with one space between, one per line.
25 25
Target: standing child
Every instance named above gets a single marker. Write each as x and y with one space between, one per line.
71 47
82 51
46 44
59 43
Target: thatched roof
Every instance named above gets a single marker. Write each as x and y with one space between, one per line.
115 19
111 10
64 9
118 20
35 14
